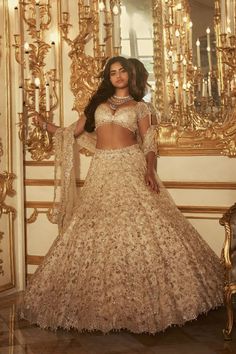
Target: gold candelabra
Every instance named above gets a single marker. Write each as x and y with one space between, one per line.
96 24
36 74
197 97
37 59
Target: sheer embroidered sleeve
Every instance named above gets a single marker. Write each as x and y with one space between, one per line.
148 132
143 111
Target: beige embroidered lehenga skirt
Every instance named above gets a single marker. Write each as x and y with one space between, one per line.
128 260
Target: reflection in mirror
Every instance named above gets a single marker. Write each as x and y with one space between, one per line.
195 82
202 17
137 33
204 56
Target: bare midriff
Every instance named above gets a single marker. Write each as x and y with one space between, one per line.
114 136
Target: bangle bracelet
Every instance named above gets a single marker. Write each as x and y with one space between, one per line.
44 126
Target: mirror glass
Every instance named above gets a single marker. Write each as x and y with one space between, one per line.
137 41
137 33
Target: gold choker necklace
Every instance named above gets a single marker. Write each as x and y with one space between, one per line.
116 101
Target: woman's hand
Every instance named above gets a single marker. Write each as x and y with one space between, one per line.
151 181
46 126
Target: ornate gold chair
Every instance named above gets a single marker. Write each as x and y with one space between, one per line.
229 258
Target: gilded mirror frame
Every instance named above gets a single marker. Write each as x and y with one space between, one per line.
216 139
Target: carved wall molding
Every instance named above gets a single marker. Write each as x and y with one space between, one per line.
219 139
183 208
167 184
6 189
39 163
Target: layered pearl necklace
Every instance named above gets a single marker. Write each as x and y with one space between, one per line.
116 101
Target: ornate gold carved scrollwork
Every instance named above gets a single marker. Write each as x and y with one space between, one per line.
36 17
81 82
228 221
188 132
49 213
6 189
215 139
33 217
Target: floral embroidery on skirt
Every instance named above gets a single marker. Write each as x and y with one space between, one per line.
128 260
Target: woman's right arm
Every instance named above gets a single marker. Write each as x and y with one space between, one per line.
79 126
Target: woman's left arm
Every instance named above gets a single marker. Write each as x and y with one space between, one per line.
146 132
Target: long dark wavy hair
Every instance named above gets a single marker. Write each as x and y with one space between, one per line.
140 76
106 90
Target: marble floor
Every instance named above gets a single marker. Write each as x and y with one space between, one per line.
203 336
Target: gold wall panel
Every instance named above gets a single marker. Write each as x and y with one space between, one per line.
7 212
7 256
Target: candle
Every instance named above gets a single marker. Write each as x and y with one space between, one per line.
209 84
185 70
102 31
178 14
209 58
205 84
170 62
190 35
184 95
64 6
47 93
177 35
188 94
17 21
116 24
232 17
228 88
185 20
26 47
222 16
37 16
108 7
218 86
53 55
176 92
20 100
198 54
204 88
199 86
208 37
37 83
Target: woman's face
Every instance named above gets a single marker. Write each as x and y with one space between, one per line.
119 77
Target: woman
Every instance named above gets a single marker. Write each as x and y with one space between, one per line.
125 258
140 77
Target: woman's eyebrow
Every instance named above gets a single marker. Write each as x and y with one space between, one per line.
113 71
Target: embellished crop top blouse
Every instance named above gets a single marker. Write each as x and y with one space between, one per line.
127 117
